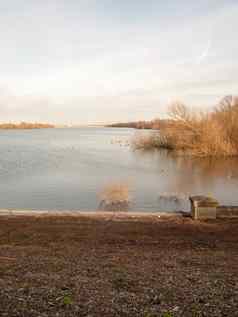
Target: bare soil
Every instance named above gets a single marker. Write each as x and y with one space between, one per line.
102 266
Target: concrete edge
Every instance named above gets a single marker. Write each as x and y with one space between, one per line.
227 216
117 214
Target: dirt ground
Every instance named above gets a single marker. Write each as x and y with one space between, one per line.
148 267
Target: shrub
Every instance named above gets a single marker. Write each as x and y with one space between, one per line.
115 192
115 197
153 140
198 133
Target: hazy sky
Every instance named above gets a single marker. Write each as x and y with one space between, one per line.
80 61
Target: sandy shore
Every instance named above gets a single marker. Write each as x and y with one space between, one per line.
94 265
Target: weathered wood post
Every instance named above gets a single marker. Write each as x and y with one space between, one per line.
203 207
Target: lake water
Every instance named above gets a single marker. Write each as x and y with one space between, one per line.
66 169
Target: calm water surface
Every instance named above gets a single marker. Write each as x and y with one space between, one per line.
66 169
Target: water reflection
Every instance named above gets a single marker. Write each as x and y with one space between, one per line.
65 169
183 176
173 201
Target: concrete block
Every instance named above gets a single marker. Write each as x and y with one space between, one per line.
203 207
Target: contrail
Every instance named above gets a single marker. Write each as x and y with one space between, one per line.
205 53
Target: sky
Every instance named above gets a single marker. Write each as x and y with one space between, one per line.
91 61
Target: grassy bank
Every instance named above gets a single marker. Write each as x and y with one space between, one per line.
197 133
78 266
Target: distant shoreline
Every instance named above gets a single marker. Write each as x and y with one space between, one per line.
25 126
155 124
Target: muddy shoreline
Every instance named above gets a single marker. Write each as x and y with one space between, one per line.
147 266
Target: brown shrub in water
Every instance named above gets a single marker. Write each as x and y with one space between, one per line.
198 133
115 192
115 197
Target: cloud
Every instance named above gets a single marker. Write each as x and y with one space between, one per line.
88 60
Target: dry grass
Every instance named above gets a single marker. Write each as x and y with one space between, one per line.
198 133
